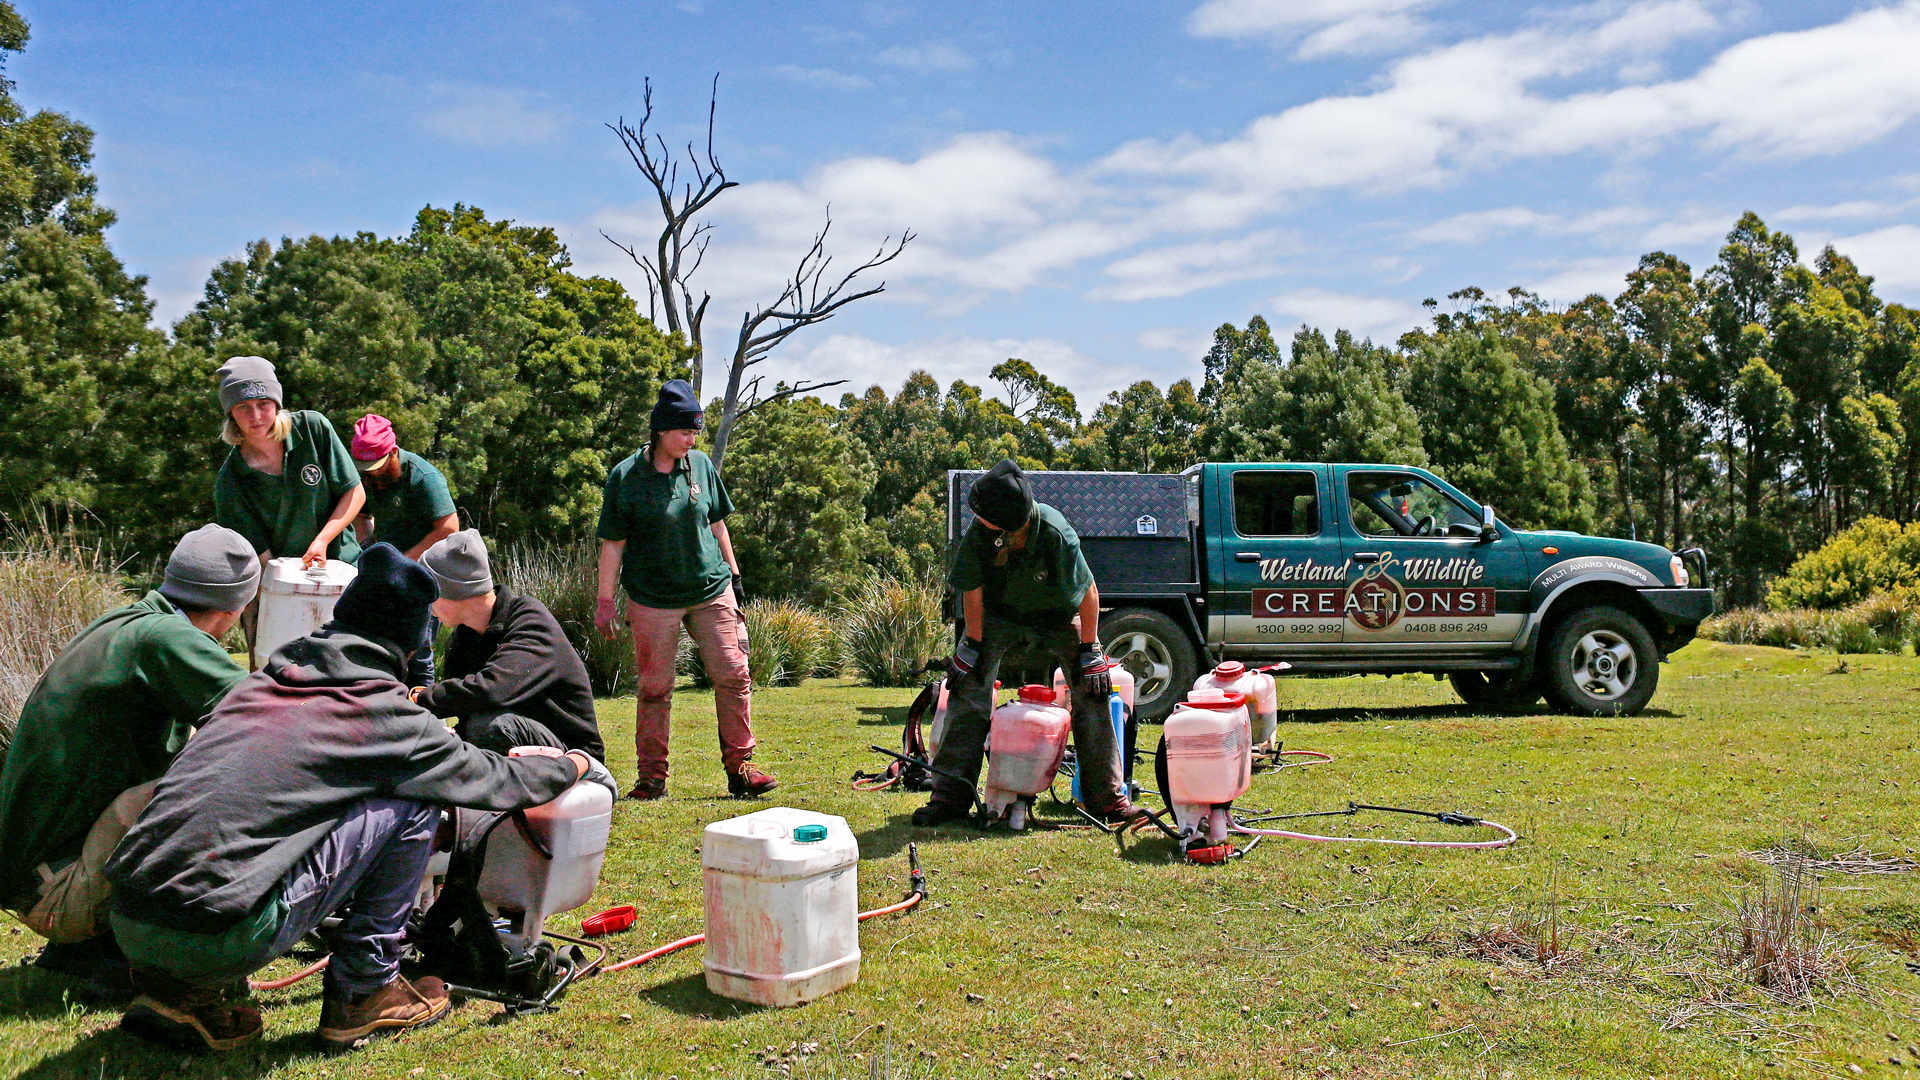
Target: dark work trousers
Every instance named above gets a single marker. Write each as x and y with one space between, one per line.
970 709
501 732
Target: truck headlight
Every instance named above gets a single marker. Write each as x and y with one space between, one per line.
1679 568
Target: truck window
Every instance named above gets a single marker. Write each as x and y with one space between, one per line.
1275 503
1399 504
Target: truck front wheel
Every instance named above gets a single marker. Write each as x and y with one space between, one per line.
1600 661
1157 652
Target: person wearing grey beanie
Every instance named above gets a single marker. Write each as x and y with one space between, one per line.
288 485
97 732
512 678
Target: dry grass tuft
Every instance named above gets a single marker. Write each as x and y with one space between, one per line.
1776 943
52 584
1859 860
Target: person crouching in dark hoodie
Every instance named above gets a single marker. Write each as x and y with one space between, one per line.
314 789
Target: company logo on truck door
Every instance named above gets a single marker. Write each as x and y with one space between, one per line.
1376 600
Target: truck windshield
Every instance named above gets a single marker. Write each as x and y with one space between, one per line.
1402 504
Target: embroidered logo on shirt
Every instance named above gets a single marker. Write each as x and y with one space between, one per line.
310 475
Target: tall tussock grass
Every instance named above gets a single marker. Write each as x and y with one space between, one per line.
1886 622
565 578
891 629
52 584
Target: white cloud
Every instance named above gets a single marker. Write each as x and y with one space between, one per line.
933 56
490 116
1570 282
1183 342
1476 226
1186 268
1891 255
1381 318
826 78
1321 28
1856 208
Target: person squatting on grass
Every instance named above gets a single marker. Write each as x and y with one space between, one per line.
98 730
512 678
1023 584
408 505
288 484
663 537
314 789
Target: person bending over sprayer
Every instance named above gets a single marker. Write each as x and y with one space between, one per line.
512 678
287 485
95 734
408 505
1024 584
663 538
313 790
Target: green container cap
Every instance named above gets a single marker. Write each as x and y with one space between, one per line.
809 834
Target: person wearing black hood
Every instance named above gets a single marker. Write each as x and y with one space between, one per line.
1023 583
663 538
314 789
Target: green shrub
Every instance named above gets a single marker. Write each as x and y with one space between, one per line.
565 578
1883 623
1875 555
891 629
1740 626
51 586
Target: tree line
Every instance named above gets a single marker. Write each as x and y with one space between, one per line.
1757 407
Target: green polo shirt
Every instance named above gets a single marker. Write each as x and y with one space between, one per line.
1039 584
283 514
109 713
404 512
672 559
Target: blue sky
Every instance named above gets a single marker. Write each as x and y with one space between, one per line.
1095 186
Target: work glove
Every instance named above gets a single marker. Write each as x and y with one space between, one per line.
966 656
739 593
1094 668
603 615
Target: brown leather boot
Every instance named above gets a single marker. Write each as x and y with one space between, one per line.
187 1016
399 1005
749 782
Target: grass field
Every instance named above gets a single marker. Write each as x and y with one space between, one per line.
1597 946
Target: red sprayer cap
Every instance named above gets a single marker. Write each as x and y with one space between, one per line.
1034 694
611 921
1219 700
1230 670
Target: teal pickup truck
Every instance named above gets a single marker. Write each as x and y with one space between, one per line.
1379 569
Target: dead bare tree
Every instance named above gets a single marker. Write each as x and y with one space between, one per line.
808 296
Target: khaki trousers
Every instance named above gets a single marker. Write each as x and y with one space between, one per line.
76 899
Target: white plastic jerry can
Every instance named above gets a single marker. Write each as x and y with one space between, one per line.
1259 688
1029 737
783 906
296 602
1208 743
573 828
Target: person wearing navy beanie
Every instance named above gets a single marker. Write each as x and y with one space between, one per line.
390 599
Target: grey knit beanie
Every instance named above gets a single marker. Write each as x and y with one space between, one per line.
243 378
459 563
212 568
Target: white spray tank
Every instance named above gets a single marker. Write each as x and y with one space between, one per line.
783 906
1119 713
1208 750
296 602
937 731
526 884
1258 687
1029 739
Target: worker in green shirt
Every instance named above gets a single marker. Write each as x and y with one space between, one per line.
1023 583
96 733
664 539
408 505
287 485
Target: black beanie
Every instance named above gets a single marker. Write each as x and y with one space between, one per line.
678 407
1003 497
388 599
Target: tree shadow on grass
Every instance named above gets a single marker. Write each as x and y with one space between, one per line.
135 1057
29 993
892 838
1356 713
883 715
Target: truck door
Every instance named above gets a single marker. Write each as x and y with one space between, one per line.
1281 568
1417 570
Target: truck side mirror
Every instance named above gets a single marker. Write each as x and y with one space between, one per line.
1488 530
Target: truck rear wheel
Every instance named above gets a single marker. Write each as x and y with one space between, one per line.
1158 653
1496 689
1600 661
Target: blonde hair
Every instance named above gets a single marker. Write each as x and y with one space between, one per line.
282 427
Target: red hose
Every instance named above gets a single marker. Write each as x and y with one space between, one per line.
669 947
280 984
